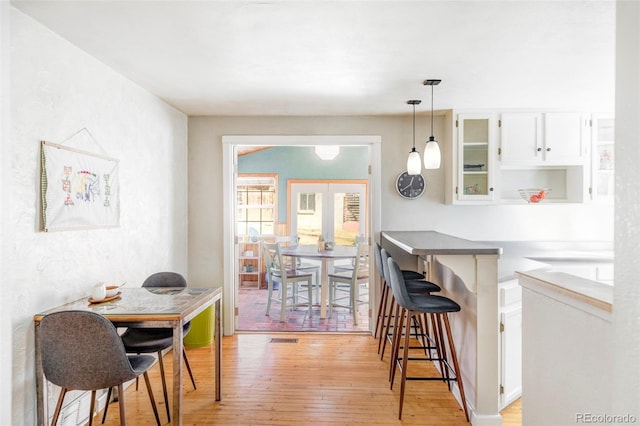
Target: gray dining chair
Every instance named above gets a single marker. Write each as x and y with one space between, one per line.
156 340
83 351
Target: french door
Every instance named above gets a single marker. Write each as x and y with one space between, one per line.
336 210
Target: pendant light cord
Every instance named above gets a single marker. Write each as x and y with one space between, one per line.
414 127
431 112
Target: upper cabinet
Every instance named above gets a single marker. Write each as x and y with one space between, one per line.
501 157
543 138
474 155
520 137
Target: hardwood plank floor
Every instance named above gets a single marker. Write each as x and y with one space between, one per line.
328 379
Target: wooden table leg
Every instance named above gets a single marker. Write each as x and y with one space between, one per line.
177 372
218 348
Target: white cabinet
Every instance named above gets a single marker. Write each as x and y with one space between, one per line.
565 137
520 137
510 342
473 159
603 156
532 138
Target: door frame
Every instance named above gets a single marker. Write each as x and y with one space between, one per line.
229 170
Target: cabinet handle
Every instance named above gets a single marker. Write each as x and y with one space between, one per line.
491 189
548 149
539 149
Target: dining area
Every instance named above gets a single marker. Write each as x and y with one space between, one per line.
93 344
308 287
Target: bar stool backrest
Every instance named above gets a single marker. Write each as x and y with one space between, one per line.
378 254
397 284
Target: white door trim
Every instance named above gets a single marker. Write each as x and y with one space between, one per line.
229 162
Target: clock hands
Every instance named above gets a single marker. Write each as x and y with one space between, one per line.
410 183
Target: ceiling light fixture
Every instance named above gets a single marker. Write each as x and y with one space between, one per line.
432 155
414 163
327 152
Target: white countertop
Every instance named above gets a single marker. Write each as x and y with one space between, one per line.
594 293
424 243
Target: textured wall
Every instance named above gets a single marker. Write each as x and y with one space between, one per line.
57 90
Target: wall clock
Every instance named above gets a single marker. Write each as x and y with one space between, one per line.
410 186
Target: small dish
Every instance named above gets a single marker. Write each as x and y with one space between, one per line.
106 299
112 290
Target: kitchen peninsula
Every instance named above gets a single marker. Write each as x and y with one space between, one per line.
468 273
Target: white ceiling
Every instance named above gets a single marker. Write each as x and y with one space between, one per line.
349 57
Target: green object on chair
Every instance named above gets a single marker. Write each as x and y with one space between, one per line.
202 329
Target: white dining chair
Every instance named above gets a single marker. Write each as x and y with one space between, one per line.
299 264
288 279
354 283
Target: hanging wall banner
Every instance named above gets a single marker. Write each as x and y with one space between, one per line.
79 189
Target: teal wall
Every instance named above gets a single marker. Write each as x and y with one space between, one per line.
300 162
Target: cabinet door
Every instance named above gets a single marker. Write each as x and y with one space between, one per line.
520 138
511 356
475 157
565 134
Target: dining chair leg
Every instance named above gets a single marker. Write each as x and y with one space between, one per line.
151 398
310 294
106 406
164 385
355 295
186 362
123 420
92 407
56 413
284 291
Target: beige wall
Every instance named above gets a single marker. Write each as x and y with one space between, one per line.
500 222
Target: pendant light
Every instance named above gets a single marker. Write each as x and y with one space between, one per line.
432 155
414 164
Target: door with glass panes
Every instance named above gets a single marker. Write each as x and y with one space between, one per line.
336 211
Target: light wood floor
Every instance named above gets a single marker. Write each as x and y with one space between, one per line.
328 379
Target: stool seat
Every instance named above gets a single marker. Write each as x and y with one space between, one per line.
421 286
431 304
412 275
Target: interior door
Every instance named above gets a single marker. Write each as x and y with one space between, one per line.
337 211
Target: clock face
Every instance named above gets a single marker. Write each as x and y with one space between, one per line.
410 186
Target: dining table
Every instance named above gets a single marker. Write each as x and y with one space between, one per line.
145 307
326 257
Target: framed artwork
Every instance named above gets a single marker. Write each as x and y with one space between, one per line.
79 189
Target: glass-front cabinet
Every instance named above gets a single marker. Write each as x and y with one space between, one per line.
603 156
475 157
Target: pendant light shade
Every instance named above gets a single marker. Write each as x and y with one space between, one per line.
414 165
432 156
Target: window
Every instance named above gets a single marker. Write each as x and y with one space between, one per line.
256 205
307 203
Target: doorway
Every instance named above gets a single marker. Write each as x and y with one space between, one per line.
230 169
